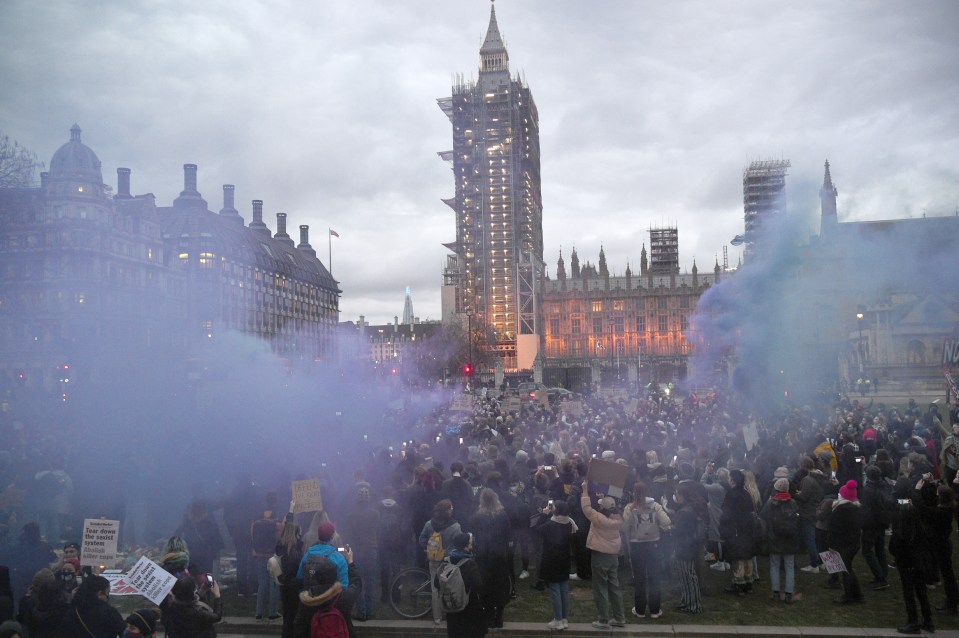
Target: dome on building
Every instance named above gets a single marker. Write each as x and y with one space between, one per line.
75 160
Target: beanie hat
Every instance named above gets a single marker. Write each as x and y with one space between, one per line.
521 455
781 485
145 620
849 491
607 503
74 562
781 472
873 473
325 532
10 628
609 454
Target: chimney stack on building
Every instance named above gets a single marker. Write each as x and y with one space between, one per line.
190 197
257 223
229 209
281 234
123 183
189 178
304 244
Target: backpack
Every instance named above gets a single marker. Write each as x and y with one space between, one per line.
434 547
887 505
329 623
263 534
784 522
451 587
647 527
318 573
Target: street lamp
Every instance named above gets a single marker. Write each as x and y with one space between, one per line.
859 316
469 336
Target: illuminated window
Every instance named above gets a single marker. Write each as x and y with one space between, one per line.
207 260
619 325
184 258
619 304
597 306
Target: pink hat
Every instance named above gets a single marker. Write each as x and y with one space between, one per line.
849 491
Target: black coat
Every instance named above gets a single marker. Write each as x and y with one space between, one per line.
687 543
781 544
845 527
491 537
42 612
98 620
191 618
557 540
736 525
471 622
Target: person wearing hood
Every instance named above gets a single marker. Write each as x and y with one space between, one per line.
688 526
643 520
781 515
362 530
323 591
605 544
808 495
185 616
556 529
845 537
443 524
472 621
175 557
491 531
43 608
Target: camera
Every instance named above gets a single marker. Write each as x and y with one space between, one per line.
548 468
550 502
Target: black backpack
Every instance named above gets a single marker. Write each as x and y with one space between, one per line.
319 573
784 521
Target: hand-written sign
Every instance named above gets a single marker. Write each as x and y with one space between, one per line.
99 545
832 561
513 404
307 496
573 408
151 580
462 403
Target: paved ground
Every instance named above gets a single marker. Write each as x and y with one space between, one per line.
234 627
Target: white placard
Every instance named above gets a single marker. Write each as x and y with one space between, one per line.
832 561
119 586
750 435
151 580
99 545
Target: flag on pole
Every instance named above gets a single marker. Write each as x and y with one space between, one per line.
333 233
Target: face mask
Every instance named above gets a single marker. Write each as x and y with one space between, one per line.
127 633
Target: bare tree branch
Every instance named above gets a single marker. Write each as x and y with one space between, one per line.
18 165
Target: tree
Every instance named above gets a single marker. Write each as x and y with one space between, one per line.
18 164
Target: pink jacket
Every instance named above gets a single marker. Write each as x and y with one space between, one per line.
604 531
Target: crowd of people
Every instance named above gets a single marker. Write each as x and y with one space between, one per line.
504 497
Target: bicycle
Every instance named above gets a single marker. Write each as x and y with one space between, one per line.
411 594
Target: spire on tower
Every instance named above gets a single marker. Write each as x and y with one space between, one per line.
493 56
829 216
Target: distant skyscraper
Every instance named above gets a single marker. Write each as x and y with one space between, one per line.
408 309
764 195
497 202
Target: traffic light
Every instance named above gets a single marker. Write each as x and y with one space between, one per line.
467 369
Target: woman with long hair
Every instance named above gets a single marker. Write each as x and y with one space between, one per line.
91 615
738 531
491 535
643 520
290 550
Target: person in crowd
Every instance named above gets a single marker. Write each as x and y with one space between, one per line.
290 551
143 622
809 494
490 527
472 621
186 616
238 510
435 539
325 546
737 526
11 629
936 504
605 543
878 504
264 533
69 576
324 600
783 528
949 455
42 609
419 499
689 534
555 528
90 614
391 548
909 545
29 556
716 483
643 521
362 531
457 489
6 594
175 556
202 535
845 537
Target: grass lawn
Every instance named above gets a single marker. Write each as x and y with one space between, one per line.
815 608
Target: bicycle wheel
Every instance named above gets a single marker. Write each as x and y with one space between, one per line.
410 593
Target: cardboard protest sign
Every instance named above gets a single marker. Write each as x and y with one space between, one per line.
150 580
462 403
99 545
119 585
307 496
543 397
513 404
750 435
573 408
608 477
832 561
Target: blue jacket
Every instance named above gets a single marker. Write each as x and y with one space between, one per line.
330 552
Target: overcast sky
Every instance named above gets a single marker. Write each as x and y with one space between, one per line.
649 111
